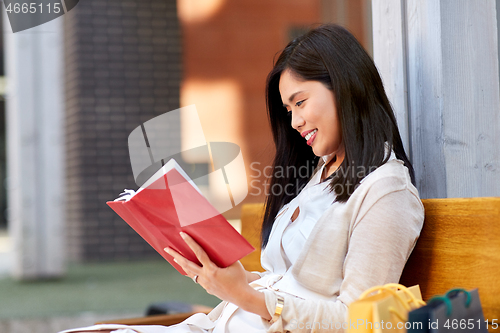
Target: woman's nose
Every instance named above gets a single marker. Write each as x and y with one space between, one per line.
297 120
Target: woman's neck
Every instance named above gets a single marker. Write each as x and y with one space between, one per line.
333 163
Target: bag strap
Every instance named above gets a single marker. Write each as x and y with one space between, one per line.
392 288
398 314
459 290
411 297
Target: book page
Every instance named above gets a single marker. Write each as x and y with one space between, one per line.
126 195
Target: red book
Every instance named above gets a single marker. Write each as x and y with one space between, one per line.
168 203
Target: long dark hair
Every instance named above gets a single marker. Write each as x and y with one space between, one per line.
331 55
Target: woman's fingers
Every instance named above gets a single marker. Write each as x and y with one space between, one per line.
198 250
188 266
227 283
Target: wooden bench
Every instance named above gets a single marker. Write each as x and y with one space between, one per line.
459 247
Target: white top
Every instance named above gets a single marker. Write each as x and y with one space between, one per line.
286 241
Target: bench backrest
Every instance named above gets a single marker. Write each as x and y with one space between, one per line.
459 247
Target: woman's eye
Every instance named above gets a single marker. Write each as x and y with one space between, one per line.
289 113
299 103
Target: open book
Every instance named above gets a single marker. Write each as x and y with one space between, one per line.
170 202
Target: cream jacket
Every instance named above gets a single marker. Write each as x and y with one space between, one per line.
353 246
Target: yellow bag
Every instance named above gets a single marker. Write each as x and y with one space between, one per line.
383 309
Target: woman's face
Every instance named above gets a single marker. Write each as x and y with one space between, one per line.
313 113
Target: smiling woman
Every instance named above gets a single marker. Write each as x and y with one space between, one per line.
348 224
313 113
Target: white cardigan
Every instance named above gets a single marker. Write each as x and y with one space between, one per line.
353 246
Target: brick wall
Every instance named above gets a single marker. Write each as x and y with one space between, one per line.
122 67
237 44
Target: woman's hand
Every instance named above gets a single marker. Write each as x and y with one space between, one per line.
229 284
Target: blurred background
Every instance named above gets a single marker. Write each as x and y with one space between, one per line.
74 88
72 91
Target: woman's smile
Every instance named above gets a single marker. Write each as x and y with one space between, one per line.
311 136
313 112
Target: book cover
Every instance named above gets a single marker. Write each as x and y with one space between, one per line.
170 202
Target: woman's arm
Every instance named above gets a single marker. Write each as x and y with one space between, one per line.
229 284
380 243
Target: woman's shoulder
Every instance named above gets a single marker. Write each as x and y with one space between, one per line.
389 185
392 178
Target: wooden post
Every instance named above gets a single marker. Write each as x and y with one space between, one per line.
389 54
34 102
452 117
